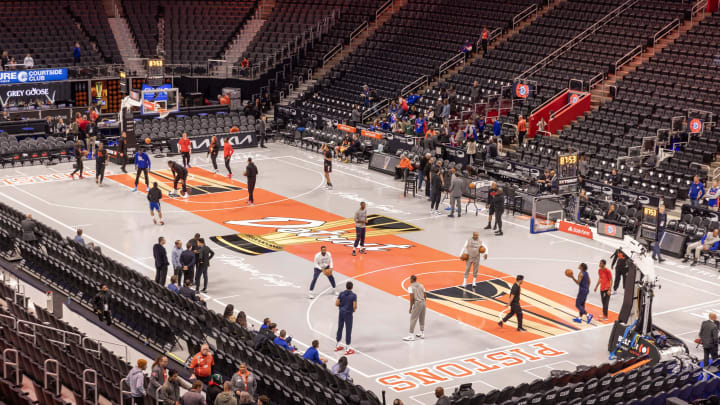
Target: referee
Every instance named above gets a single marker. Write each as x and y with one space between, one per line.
360 222
514 304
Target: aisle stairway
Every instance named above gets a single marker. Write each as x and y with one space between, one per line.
127 46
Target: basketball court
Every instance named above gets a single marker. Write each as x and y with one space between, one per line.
263 266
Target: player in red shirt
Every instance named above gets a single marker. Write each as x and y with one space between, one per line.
604 282
184 146
227 153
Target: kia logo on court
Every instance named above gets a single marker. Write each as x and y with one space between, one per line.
237 140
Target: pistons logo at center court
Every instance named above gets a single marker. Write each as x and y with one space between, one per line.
695 125
522 90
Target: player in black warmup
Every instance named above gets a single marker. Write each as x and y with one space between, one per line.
122 151
251 173
179 173
78 152
213 152
327 165
100 159
514 304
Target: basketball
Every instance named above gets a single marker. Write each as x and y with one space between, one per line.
472 185
464 256
568 272
147 141
85 153
482 249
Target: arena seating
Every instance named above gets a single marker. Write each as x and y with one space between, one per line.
388 60
33 150
195 31
49 33
160 317
205 124
94 21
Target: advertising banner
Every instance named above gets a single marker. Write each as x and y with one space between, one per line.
24 93
33 75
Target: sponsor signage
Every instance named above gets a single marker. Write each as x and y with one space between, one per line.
371 134
25 93
202 143
346 128
608 229
575 229
32 76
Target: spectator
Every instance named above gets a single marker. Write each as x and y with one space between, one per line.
244 399
188 292
78 237
709 242
241 320
313 355
497 127
484 40
522 129
76 54
60 128
170 391
194 396
341 369
4 60
709 338
12 65
445 113
282 341
466 48
475 92
202 364
243 381
611 214
226 397
214 388
93 247
187 262
263 400
136 381
224 99
28 229
442 399
397 402
28 62
492 149
175 258
712 196
158 373
245 63
101 302
173 286
404 165
161 261
229 312
355 117
696 192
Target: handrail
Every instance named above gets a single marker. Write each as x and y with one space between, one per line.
358 30
576 39
697 8
47 372
34 332
458 58
625 59
383 7
595 80
548 101
664 31
420 81
331 53
524 14
374 109
100 343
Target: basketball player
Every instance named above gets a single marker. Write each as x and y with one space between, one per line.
323 262
100 159
142 165
417 309
78 152
583 282
327 165
251 173
122 150
213 152
490 206
472 250
184 146
514 304
154 196
227 154
347 305
360 222
179 173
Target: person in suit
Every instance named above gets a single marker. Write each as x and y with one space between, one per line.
498 208
204 256
456 189
28 226
709 338
161 261
662 220
436 185
187 292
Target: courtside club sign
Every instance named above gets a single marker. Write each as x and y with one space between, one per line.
31 76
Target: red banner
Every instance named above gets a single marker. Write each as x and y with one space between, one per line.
575 229
346 128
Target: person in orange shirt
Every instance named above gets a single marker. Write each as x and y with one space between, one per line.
484 40
224 99
245 63
227 154
202 364
234 129
522 129
184 146
404 164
